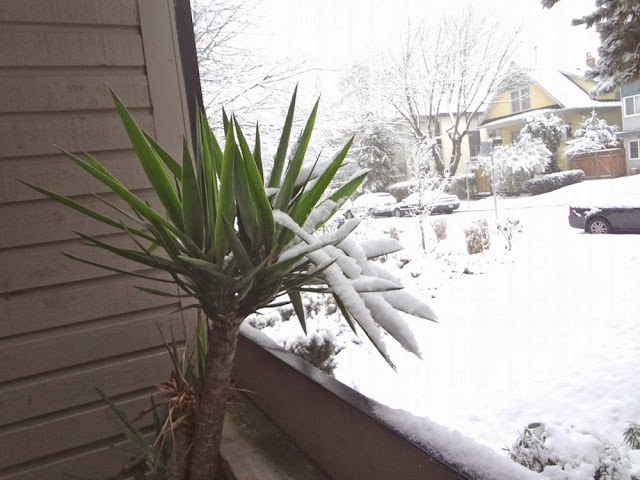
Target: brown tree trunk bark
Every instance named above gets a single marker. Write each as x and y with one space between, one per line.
214 395
179 465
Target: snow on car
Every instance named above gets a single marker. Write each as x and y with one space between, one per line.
368 203
433 201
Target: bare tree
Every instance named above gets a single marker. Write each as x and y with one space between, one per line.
453 69
233 75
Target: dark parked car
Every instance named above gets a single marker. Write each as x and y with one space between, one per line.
614 219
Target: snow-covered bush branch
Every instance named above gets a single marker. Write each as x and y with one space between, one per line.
594 134
551 130
516 163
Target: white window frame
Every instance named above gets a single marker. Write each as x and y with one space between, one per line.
636 103
637 142
521 95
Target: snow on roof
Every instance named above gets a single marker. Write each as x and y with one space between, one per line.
518 117
559 86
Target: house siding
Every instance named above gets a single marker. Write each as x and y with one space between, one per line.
631 88
501 105
67 328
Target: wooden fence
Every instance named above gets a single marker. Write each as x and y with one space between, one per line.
609 163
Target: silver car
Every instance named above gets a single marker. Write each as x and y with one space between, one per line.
433 201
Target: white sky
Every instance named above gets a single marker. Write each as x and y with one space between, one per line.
334 33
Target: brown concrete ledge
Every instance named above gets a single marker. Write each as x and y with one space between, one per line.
331 422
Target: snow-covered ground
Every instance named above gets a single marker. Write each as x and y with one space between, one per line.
547 332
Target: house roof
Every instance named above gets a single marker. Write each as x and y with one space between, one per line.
567 94
505 121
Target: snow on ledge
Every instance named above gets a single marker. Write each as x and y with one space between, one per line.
453 448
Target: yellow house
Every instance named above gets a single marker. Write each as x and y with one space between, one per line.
547 91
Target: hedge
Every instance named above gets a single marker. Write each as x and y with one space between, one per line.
553 181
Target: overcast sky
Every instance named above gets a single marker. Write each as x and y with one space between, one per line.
336 33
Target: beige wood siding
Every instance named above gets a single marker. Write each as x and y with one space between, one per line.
67 328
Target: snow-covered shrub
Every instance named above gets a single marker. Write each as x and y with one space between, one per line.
393 233
457 185
265 319
553 181
440 229
318 348
594 134
477 236
632 435
530 450
402 190
509 227
516 163
550 129
567 453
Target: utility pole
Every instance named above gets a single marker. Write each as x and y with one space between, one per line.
486 149
493 184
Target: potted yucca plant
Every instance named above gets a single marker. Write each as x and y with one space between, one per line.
236 241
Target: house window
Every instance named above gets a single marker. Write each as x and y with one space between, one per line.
632 105
520 100
634 150
568 130
514 135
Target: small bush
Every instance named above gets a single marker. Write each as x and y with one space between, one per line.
393 233
632 436
509 228
553 181
440 229
515 163
547 449
530 450
457 185
477 236
319 350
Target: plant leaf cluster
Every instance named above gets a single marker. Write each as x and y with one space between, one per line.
232 239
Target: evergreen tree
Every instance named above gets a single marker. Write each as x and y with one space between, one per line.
374 148
618 24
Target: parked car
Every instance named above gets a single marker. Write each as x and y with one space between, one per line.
433 201
613 219
368 203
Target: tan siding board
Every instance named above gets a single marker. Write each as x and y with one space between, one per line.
61 305
44 395
55 58
59 174
130 333
51 436
47 221
101 461
37 134
34 92
25 46
43 265
102 12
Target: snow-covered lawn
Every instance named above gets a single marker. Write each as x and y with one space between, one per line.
548 332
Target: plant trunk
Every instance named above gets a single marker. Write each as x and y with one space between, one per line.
178 468
214 395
